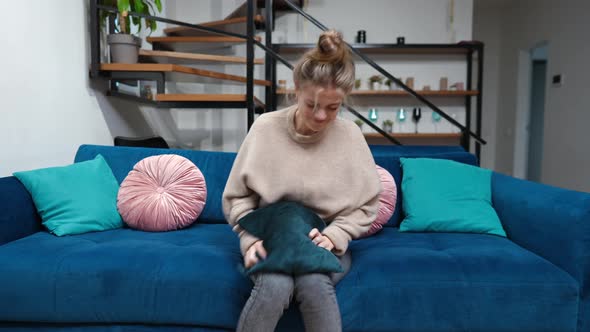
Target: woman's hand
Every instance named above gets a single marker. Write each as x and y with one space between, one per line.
253 253
321 240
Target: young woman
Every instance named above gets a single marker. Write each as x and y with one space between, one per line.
306 154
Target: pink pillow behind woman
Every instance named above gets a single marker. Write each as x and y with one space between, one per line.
387 200
162 193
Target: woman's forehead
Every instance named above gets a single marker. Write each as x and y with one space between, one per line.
323 94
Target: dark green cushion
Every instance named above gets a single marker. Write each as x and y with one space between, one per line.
284 229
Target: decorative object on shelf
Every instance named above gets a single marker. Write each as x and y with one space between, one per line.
426 88
146 92
410 82
124 46
357 83
401 118
401 40
458 86
435 119
416 115
282 85
375 82
443 84
361 36
387 126
373 114
359 123
390 84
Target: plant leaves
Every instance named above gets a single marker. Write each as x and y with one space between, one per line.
139 6
159 5
123 5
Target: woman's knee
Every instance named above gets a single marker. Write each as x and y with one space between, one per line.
313 285
278 286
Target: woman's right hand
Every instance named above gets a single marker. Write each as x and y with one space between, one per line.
251 257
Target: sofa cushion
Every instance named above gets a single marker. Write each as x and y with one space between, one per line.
125 276
76 198
453 282
162 193
387 200
390 160
447 196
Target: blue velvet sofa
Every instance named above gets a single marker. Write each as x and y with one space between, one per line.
123 280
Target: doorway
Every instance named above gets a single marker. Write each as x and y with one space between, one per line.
528 152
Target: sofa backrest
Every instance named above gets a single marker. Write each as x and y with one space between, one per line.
216 166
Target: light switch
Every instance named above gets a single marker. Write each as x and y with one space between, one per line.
557 80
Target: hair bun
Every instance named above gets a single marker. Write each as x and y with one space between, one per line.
331 47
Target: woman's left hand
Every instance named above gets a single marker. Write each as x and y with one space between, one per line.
321 240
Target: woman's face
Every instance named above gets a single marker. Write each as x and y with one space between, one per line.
317 108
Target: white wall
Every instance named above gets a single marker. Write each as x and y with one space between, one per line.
48 107
487 29
564 26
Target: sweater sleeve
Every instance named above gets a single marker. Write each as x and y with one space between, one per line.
238 199
354 222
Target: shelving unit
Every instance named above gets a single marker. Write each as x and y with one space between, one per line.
471 51
399 93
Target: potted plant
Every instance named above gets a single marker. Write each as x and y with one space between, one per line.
124 46
375 82
387 126
357 83
359 123
390 85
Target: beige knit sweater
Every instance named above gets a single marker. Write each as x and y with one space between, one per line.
332 173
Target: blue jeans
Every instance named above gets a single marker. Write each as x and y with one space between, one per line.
314 292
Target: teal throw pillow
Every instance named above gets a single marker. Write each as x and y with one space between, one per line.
446 196
284 229
75 199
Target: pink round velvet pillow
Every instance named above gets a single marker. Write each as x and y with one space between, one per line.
387 200
162 193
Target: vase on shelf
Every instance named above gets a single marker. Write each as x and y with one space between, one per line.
373 114
435 119
416 115
401 118
387 126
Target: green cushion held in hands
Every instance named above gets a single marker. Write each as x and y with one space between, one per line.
284 228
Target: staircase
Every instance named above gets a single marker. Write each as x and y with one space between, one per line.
183 54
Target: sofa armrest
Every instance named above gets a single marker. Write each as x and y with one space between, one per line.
18 215
553 223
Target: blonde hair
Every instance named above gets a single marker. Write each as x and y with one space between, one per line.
328 64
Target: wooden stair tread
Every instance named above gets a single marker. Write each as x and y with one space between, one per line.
236 24
164 67
197 56
196 39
